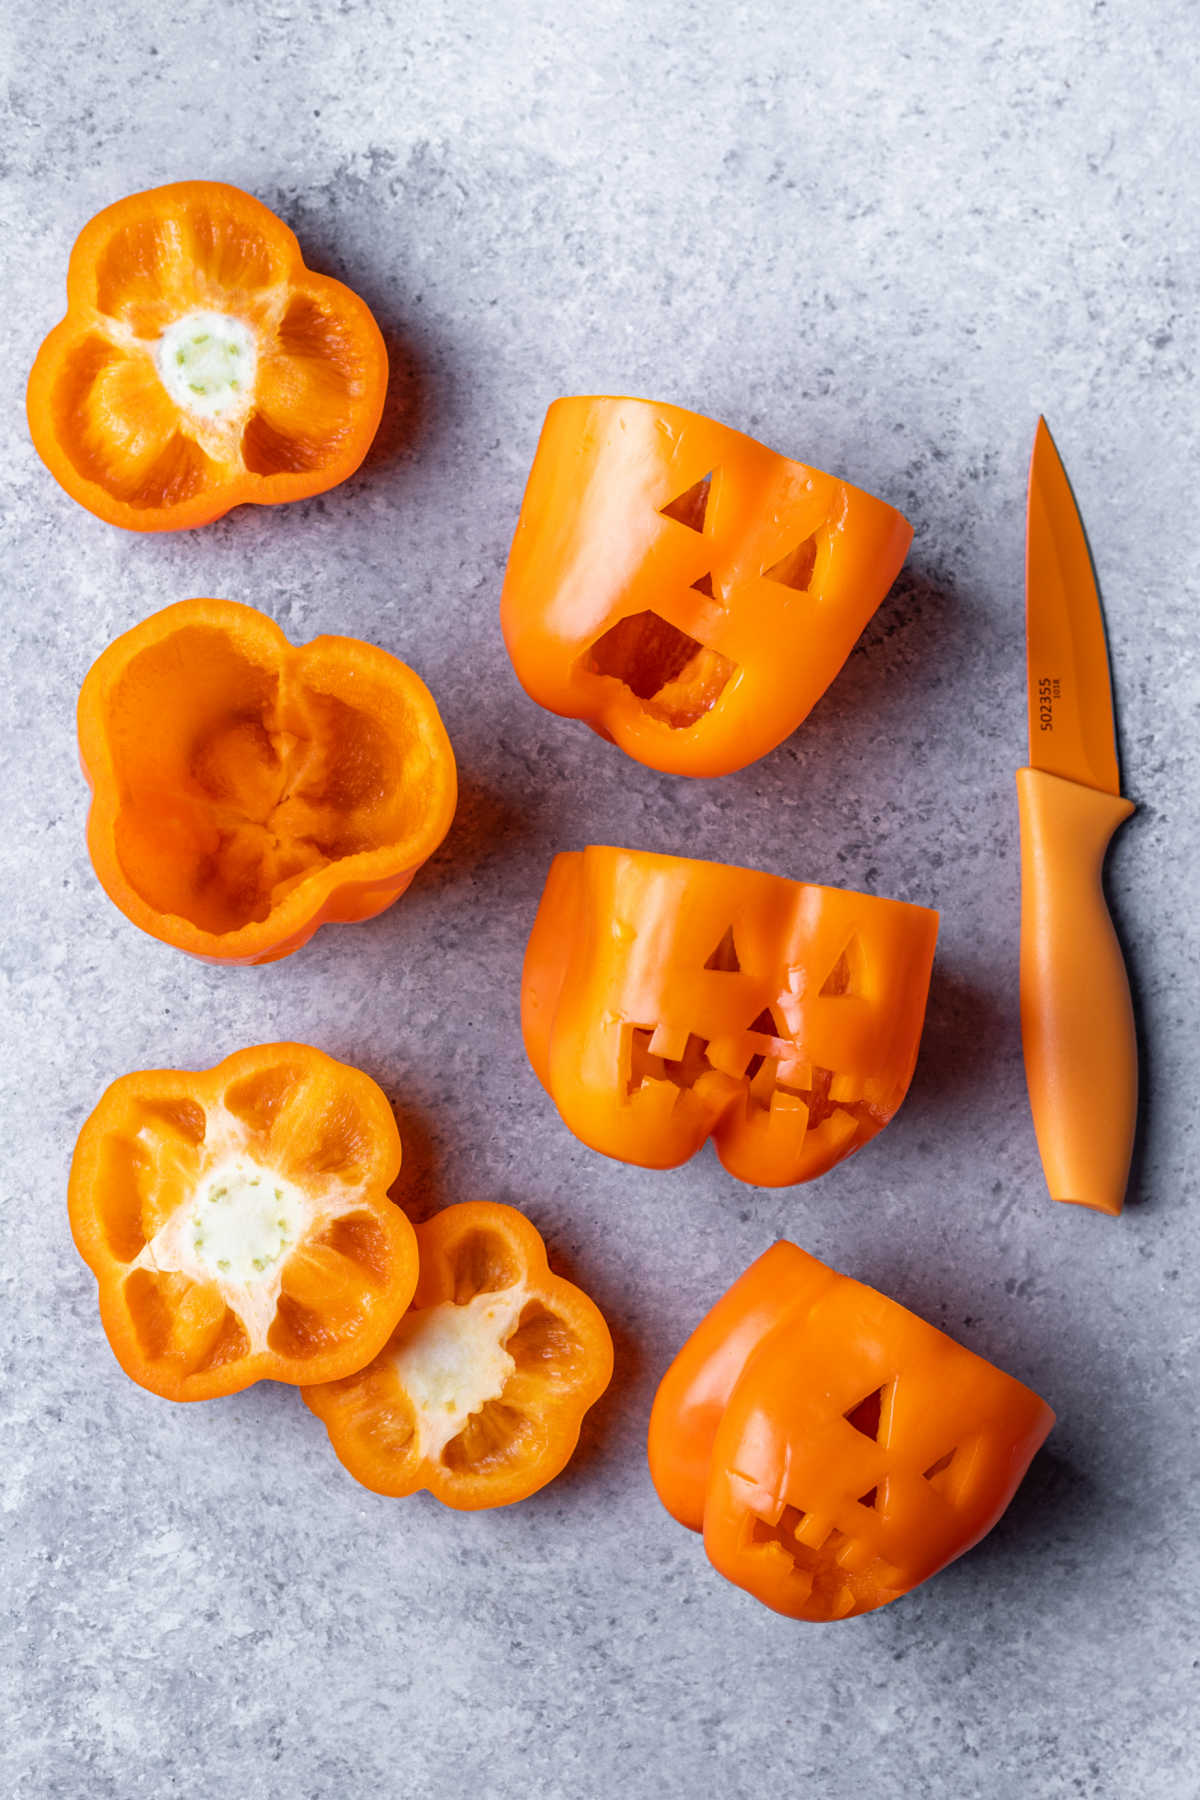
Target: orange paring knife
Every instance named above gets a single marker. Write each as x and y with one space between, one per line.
1076 1016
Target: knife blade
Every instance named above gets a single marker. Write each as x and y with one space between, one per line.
1077 1025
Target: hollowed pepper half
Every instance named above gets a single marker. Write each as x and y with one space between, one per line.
201 365
666 1001
238 1223
681 588
834 1449
479 1396
245 791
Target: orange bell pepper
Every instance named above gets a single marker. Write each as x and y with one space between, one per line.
666 1001
479 1397
201 365
238 1222
246 792
681 588
835 1449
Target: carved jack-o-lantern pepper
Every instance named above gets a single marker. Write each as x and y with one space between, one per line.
665 1001
684 590
834 1449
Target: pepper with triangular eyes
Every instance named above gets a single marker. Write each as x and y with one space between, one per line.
665 1001
834 1449
687 592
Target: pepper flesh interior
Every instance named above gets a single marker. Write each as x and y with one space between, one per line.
452 1360
208 362
676 678
244 1220
236 783
234 1233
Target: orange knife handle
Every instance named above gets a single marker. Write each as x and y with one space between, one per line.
1076 1014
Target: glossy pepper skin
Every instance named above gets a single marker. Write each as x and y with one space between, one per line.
245 792
201 365
479 1396
681 588
834 1449
666 1001
238 1224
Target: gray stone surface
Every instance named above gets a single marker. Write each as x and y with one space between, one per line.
879 235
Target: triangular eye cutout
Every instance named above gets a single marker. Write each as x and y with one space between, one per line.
725 957
703 585
870 1499
842 980
767 1024
795 570
942 1463
866 1415
689 508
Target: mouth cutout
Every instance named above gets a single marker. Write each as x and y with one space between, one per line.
675 677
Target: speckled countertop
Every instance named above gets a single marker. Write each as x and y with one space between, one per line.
882 237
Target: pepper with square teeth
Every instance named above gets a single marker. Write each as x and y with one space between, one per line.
665 1001
834 1449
